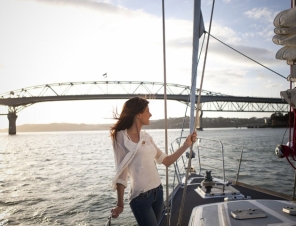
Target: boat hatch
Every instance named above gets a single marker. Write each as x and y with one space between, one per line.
289 210
248 214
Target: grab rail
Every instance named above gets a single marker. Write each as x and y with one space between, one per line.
221 149
208 147
202 144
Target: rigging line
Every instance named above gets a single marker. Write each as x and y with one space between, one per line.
246 56
203 41
165 110
197 109
290 126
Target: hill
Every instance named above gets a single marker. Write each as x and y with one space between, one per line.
59 127
173 123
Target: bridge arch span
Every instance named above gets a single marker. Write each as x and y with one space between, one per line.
19 99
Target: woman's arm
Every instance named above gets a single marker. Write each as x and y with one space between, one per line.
121 181
120 192
170 159
120 204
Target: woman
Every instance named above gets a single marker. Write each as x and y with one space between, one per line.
135 154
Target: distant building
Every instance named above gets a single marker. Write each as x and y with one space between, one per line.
279 120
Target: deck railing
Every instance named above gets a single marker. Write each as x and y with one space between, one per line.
228 162
209 155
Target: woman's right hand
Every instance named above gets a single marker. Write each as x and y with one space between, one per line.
190 139
116 211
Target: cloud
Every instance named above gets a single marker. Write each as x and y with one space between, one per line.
129 39
232 38
261 76
263 13
210 2
261 55
216 79
265 79
206 2
242 42
263 26
271 84
90 3
60 44
105 5
221 57
226 74
226 34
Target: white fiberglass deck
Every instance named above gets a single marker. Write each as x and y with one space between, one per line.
244 213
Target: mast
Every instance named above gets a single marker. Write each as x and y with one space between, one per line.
285 23
198 29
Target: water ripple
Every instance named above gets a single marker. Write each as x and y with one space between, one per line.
62 178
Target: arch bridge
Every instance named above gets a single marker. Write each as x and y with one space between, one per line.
19 99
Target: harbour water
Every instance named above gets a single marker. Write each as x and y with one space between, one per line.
61 178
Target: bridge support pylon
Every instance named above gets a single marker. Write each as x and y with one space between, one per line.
200 120
12 123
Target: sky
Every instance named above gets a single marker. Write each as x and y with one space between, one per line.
55 41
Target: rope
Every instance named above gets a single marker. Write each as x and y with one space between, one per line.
247 56
191 147
165 110
287 157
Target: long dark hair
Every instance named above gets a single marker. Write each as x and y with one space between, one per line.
130 109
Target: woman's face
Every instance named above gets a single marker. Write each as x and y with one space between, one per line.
144 116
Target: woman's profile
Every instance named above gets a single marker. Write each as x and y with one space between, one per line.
135 154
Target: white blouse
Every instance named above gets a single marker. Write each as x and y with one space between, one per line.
136 161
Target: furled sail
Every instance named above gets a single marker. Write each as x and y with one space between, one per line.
285 30
285 23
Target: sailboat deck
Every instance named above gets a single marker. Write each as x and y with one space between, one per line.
193 199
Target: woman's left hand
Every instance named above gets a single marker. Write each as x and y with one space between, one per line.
116 211
190 139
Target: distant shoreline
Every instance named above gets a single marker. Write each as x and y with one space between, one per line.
172 123
56 127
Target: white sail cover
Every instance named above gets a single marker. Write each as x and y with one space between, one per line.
285 30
